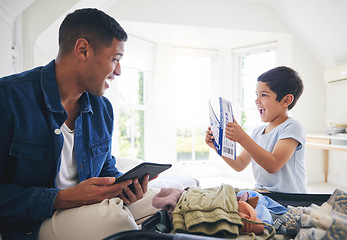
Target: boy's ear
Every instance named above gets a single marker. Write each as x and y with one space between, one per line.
287 99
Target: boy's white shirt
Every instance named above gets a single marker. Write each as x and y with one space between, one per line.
291 178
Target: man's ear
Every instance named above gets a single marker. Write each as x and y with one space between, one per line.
82 48
287 99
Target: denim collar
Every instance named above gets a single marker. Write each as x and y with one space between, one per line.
52 95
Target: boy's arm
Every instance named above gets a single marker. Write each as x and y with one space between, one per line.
271 162
241 161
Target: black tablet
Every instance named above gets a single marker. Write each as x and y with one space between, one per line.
141 170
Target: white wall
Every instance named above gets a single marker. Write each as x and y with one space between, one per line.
311 109
37 18
5 47
246 16
235 15
336 111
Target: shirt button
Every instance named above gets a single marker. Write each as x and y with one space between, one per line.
57 131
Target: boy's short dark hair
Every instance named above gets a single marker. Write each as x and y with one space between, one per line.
94 25
282 81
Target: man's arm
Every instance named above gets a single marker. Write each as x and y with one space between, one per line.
19 201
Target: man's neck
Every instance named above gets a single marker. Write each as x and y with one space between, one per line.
73 112
69 93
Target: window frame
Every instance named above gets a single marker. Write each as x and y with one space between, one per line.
238 55
139 57
204 53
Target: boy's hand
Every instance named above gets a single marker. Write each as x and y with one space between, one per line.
209 138
234 132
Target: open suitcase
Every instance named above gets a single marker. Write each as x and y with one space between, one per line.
297 199
159 225
148 235
156 227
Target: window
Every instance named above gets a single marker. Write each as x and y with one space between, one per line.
252 62
127 96
192 81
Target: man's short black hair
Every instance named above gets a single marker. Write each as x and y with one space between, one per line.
282 81
94 25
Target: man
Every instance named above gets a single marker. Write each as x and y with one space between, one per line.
55 145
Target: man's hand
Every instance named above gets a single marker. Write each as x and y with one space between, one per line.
93 190
128 196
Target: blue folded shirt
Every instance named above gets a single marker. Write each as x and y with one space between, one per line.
265 206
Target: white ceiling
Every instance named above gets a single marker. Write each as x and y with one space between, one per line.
319 23
10 9
197 37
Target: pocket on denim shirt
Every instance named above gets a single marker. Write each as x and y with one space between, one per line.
101 147
100 151
35 162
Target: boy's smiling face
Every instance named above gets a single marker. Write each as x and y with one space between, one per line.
269 108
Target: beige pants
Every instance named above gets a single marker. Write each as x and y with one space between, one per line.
99 220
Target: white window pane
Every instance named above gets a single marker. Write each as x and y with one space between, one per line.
128 87
130 127
192 81
252 65
126 94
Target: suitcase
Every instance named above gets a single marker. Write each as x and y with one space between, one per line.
159 225
147 235
156 227
297 199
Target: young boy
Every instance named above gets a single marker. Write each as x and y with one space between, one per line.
277 149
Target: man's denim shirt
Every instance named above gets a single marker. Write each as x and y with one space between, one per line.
31 115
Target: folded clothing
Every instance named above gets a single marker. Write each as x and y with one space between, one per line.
248 212
338 228
325 222
338 200
167 199
265 206
212 211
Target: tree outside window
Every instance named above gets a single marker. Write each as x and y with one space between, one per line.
127 94
192 81
252 64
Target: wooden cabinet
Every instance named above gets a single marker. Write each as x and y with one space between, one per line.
326 143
